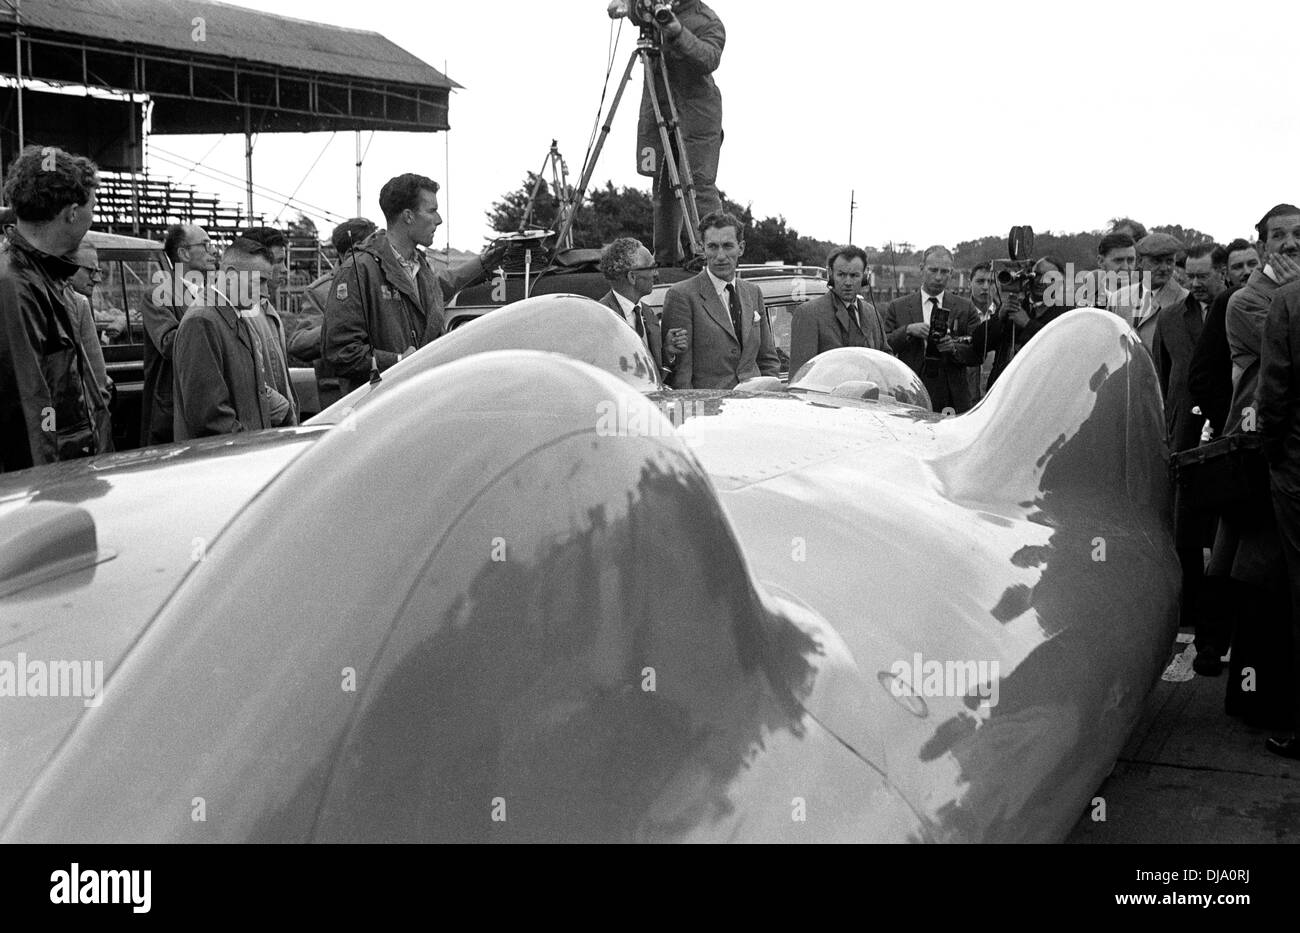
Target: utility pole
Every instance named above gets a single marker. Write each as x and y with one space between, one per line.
853 206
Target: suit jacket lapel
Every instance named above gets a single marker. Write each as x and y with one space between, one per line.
713 304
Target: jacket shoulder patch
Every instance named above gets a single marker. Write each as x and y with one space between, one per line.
341 291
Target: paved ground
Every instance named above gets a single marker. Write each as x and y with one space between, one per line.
1191 774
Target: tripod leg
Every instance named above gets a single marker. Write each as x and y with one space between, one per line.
589 167
690 206
669 161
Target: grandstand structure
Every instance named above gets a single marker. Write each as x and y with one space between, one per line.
101 79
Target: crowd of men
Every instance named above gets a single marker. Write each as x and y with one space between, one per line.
1221 323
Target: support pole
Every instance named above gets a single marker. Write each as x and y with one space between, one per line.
358 135
248 160
18 69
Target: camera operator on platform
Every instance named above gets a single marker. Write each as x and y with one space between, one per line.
691 36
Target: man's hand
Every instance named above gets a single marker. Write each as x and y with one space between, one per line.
405 353
493 253
1018 316
918 329
947 344
671 29
676 342
1285 268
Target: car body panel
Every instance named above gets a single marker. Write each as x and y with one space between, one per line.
539 609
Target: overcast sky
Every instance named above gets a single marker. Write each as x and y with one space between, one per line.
950 119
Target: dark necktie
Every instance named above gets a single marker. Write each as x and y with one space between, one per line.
733 299
636 316
853 314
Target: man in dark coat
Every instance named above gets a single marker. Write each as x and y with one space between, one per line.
839 318
190 250
222 382
386 300
941 363
48 394
1279 423
692 41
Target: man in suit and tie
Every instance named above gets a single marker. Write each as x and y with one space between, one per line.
839 318
1177 330
630 270
728 334
939 358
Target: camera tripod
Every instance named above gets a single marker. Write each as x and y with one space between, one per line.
649 53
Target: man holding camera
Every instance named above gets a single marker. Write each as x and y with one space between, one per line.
930 331
839 318
690 36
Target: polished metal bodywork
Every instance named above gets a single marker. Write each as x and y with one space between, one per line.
505 595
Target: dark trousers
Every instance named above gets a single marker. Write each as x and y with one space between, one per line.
668 216
938 377
1286 509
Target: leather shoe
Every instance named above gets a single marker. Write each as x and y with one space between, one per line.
1287 748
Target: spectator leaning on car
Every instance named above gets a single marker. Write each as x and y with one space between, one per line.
49 402
386 300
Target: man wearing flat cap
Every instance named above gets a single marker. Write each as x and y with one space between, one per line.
1156 288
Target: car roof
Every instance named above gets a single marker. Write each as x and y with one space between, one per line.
101 240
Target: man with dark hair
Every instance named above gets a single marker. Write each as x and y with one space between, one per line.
1209 378
941 362
692 38
1279 423
630 270
1022 316
1279 246
984 299
190 249
728 334
275 343
1177 331
48 394
1248 548
304 330
1129 226
222 385
386 300
841 317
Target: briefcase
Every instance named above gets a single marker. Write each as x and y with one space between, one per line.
1228 473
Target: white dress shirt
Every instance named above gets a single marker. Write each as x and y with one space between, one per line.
629 308
926 298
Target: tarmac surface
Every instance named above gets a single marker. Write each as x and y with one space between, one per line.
1192 774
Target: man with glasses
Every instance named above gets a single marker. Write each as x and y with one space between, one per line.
631 272
1140 303
82 287
190 250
